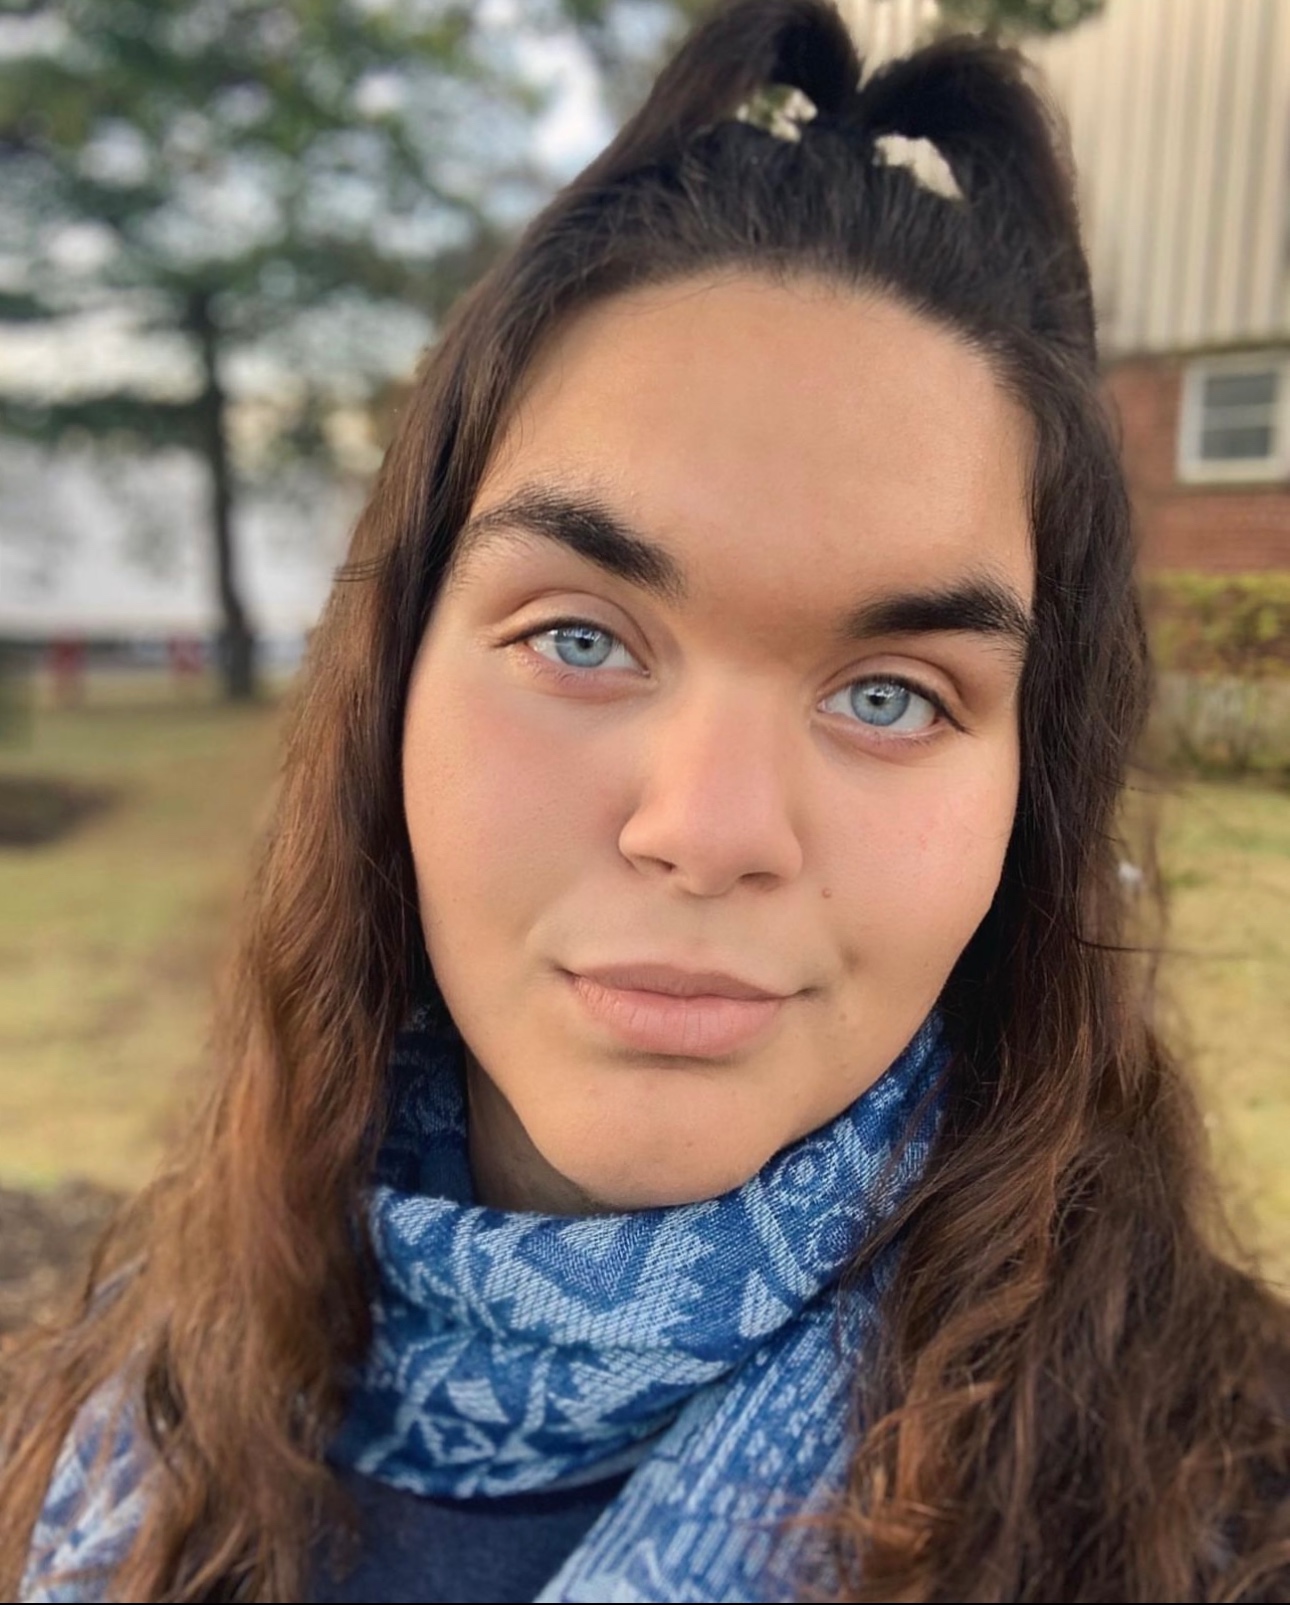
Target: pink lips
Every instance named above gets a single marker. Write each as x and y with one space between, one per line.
699 1014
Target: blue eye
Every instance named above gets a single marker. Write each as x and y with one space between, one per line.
580 646
885 705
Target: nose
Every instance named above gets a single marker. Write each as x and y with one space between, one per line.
715 805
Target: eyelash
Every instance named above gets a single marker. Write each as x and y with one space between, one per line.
564 674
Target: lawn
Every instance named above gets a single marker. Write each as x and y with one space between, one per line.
1225 855
110 936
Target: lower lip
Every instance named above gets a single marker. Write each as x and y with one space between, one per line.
704 1027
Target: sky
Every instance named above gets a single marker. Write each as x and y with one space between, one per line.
111 549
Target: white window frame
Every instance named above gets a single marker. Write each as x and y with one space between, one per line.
1193 469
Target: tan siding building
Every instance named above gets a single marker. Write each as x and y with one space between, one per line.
1179 116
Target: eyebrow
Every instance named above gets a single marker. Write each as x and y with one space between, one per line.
977 605
586 527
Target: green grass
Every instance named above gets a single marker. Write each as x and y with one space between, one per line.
1226 859
110 937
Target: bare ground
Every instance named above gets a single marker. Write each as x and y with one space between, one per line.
45 1244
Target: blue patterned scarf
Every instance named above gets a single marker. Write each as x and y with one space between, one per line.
698 1343
518 1351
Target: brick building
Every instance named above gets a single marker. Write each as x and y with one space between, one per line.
1190 517
1179 115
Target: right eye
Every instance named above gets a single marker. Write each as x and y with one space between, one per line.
577 644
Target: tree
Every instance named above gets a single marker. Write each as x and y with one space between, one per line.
289 190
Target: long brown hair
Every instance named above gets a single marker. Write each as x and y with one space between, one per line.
1076 1397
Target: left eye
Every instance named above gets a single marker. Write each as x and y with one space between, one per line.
884 705
581 646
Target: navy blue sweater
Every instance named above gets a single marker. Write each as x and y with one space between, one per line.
495 1550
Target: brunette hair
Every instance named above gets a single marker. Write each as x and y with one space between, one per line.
1076 1397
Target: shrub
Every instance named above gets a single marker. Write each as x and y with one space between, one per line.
1221 644
1228 624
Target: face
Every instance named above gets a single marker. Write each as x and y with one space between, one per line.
711 751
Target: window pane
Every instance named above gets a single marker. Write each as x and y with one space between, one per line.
1223 445
1240 390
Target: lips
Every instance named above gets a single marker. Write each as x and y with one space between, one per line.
658 1008
679 983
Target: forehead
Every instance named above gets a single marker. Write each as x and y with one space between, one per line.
780 432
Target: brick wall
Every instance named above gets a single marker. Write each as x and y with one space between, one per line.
1214 528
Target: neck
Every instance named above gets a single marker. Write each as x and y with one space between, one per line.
506 1168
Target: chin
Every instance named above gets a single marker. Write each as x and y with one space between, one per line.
639 1182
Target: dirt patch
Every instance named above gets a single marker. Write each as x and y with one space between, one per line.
34 811
45 1245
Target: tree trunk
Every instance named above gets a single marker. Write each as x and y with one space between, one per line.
236 638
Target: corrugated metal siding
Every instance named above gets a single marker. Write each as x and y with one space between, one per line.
1179 112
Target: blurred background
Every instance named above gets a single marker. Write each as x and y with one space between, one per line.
228 228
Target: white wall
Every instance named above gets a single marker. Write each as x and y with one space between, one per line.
1179 113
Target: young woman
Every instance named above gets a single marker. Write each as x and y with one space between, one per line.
689 1126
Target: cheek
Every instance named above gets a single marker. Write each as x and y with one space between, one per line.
501 811
916 870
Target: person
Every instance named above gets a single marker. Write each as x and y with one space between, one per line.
689 1123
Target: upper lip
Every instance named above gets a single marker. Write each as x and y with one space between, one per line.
678 982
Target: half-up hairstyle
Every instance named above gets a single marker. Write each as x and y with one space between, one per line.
1075 1397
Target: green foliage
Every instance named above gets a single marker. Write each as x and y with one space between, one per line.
302 184
1016 18
272 166
117 417
1221 624
1221 644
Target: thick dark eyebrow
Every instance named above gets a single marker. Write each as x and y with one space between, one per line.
981 606
586 527
975 606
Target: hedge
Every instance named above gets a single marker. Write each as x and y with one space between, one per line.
1228 624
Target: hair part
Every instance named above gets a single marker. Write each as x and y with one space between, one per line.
1075 1396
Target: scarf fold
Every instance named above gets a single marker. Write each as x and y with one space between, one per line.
518 1351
